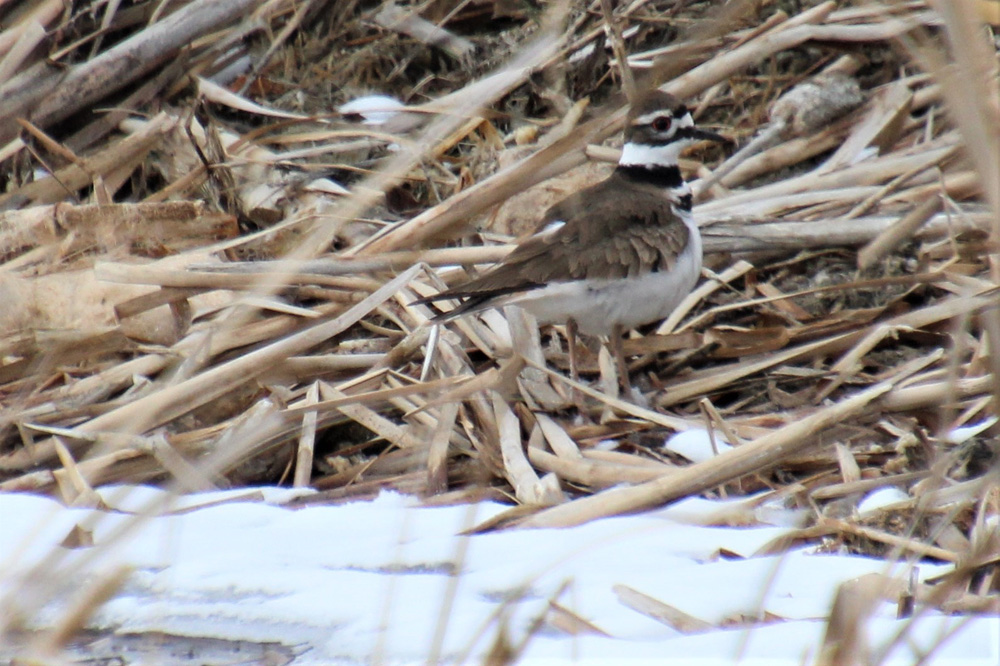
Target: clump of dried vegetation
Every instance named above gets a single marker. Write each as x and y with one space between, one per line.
207 270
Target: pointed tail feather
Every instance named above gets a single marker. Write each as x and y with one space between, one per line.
471 301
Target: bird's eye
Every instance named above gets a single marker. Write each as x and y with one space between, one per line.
661 123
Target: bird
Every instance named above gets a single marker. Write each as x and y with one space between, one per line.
619 254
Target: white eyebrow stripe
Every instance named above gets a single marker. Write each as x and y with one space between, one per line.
647 118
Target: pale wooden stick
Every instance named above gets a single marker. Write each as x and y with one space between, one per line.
375 396
651 607
720 235
178 399
972 76
130 150
73 486
866 173
43 13
701 292
652 416
737 38
437 456
849 364
44 479
712 380
409 23
112 271
550 161
881 126
793 236
910 545
789 34
307 441
290 27
125 62
596 473
560 441
471 385
864 485
786 153
621 459
922 396
411 405
50 220
29 34
618 46
400 436
90 390
878 197
526 339
757 456
457 208
188 477
528 488
898 233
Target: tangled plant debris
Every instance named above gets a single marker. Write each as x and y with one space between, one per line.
209 249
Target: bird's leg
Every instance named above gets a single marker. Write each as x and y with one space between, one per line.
571 331
574 363
618 351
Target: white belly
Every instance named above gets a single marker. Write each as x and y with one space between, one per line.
597 305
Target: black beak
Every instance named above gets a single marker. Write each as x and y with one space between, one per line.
705 135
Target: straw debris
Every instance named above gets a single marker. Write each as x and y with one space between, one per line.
206 270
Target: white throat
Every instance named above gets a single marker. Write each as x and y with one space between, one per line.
646 155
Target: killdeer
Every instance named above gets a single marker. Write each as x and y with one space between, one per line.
619 254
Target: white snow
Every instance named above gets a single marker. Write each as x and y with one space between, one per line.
879 499
696 444
373 109
349 582
965 433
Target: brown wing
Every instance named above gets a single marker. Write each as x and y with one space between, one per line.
633 232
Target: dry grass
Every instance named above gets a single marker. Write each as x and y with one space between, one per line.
186 302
